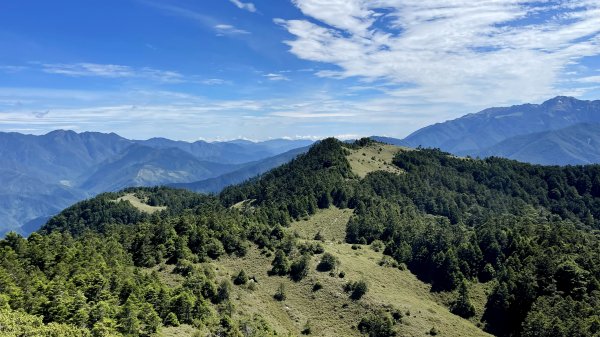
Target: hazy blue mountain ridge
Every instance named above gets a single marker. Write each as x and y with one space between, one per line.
41 175
574 145
475 132
246 172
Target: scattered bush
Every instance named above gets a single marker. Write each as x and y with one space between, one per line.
299 268
240 278
396 315
377 325
311 248
224 291
387 261
319 236
307 329
356 289
317 286
377 245
328 262
281 265
280 293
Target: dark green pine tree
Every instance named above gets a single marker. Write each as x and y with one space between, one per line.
462 306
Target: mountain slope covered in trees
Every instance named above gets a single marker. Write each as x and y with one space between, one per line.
528 234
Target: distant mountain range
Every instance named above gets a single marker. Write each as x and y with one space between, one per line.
41 175
246 172
476 132
560 131
574 145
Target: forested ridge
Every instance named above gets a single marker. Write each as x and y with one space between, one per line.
529 231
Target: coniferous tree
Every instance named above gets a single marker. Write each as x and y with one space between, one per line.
462 305
281 265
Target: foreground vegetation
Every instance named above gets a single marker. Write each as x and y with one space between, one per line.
322 231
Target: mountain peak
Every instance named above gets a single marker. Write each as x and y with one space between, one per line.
562 100
61 132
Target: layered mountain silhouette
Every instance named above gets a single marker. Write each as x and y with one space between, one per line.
41 175
476 132
248 171
575 145
560 131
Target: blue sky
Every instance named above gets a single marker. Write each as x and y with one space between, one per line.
224 69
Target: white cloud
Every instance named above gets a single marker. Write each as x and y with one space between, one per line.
350 15
215 81
11 69
110 71
589 79
244 5
296 114
474 53
276 77
224 29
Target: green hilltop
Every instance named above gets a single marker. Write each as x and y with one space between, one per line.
345 240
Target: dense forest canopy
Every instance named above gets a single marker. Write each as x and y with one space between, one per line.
532 232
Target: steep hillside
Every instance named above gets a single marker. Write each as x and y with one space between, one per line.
475 132
574 145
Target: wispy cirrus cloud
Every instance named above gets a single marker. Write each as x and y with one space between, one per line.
276 77
456 51
249 6
10 69
110 71
224 29
215 81
200 18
